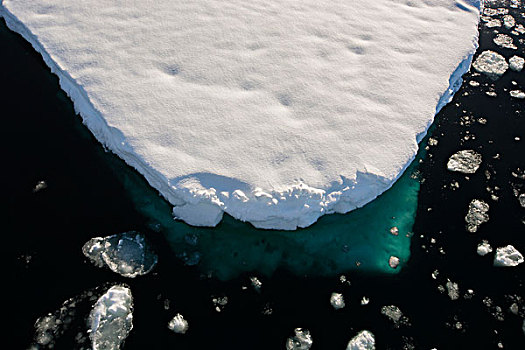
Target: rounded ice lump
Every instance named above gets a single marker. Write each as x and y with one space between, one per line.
127 254
364 340
466 161
275 124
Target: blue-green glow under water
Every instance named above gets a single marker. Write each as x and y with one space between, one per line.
335 244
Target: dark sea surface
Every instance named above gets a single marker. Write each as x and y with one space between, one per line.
88 195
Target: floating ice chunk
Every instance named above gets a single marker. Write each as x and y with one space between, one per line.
484 248
220 303
365 301
508 21
516 63
395 315
364 340
466 161
393 261
477 214
504 41
302 340
452 290
492 23
521 199
256 283
507 256
111 319
337 301
520 29
491 64
178 324
127 254
41 185
517 94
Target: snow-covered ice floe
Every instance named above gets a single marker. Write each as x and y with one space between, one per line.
273 112
476 215
127 254
178 324
466 161
111 319
491 64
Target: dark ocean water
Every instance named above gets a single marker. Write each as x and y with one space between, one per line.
87 195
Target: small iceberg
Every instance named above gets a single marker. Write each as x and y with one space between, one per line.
516 63
127 254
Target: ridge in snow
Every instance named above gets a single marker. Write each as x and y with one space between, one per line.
274 112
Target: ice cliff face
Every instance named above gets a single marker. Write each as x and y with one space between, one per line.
276 112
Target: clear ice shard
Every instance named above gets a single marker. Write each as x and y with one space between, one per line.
274 124
111 319
127 254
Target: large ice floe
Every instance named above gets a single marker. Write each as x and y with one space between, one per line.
275 112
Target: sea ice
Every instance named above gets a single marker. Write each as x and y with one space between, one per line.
508 256
364 340
395 315
493 23
491 64
178 324
508 21
337 301
302 340
504 41
516 63
484 248
393 262
127 254
476 215
452 290
521 199
111 319
273 112
466 161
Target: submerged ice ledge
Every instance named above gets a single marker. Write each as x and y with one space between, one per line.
201 198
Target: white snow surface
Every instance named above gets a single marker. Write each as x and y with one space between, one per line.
364 340
275 112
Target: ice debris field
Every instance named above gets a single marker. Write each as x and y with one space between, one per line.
275 112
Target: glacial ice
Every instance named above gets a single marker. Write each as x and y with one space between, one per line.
127 254
364 340
466 161
227 107
508 256
476 215
491 64
516 63
178 324
302 340
111 319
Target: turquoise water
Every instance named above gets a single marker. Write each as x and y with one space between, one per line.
335 244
